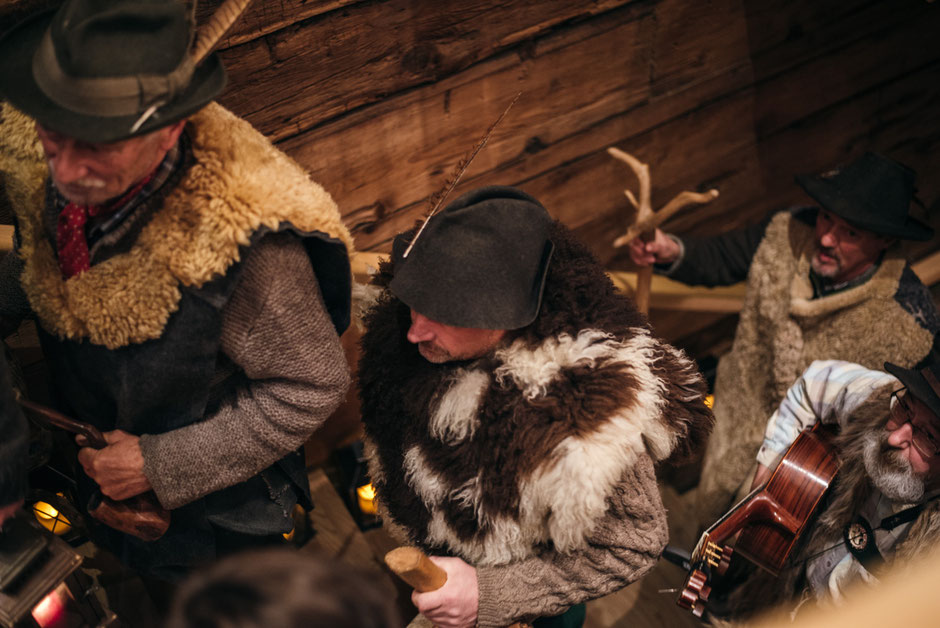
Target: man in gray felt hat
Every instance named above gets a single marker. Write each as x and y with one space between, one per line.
188 279
823 282
514 406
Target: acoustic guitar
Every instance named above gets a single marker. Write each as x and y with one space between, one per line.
769 521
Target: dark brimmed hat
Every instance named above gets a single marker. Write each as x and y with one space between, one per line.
873 193
106 70
922 383
480 262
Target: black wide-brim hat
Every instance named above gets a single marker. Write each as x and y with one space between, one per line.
873 193
922 383
93 39
480 262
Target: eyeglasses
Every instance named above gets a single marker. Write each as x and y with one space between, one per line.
903 412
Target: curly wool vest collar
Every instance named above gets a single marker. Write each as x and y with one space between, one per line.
238 183
491 459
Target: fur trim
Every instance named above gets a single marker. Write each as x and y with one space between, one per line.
237 183
455 418
523 448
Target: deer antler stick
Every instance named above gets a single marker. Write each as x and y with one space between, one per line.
646 220
681 200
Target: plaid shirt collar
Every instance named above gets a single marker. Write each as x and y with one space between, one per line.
105 223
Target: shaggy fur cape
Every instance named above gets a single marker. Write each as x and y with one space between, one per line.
237 183
782 330
842 502
490 459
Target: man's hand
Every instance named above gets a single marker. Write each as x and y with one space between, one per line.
118 468
8 510
455 604
660 250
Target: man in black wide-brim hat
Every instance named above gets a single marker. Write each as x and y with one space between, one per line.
515 404
825 282
189 280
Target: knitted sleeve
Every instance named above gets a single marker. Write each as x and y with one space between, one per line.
625 545
828 391
277 331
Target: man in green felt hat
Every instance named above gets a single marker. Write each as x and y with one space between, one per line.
823 282
515 405
188 279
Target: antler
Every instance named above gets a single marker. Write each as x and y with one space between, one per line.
651 222
644 209
646 220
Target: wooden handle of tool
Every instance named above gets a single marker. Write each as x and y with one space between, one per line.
644 280
414 567
49 416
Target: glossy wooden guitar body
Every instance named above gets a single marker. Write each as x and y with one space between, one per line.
769 521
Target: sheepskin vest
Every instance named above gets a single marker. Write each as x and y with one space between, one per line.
134 342
781 331
493 458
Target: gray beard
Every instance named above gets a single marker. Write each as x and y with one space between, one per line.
889 472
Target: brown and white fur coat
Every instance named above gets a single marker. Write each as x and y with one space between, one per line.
493 458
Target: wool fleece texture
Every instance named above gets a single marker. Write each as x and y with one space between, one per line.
842 502
781 331
534 464
129 298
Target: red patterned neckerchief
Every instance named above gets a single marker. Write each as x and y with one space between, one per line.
71 242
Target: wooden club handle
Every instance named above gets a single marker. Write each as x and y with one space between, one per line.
414 567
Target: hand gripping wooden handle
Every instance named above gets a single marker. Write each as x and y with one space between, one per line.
414 567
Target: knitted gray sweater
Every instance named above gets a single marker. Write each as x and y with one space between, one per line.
276 330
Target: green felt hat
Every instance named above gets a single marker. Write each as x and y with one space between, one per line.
106 70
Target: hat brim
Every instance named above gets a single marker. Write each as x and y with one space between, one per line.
19 88
916 385
830 198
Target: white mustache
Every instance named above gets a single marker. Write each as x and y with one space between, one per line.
91 183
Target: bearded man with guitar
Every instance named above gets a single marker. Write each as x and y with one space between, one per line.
881 509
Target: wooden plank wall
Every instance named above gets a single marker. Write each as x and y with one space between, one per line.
379 99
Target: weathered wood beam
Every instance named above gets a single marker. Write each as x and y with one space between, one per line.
299 77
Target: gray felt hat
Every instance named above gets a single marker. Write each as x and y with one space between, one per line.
480 262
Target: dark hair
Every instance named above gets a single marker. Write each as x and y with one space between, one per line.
281 588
